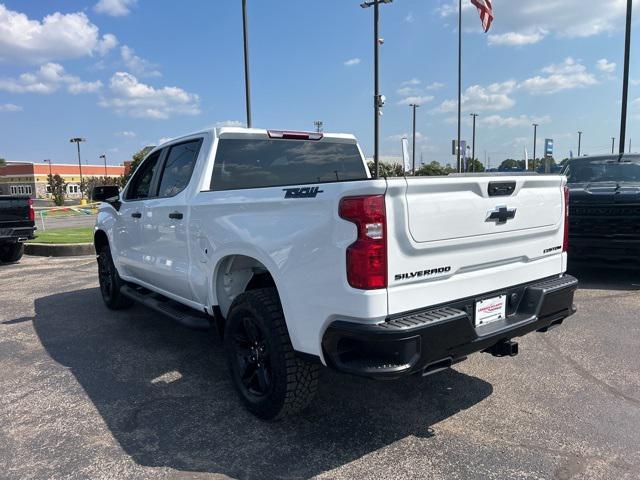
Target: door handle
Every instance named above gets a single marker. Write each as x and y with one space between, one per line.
176 216
136 215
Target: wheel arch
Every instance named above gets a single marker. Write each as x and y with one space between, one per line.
100 239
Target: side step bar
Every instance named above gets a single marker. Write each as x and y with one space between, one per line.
179 313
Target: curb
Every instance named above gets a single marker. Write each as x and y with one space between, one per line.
59 250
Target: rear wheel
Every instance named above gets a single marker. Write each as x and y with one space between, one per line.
11 252
110 282
271 380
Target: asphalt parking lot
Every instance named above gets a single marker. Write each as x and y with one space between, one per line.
89 393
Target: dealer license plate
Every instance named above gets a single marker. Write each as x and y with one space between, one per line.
491 310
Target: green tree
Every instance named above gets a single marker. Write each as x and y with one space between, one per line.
434 169
387 170
58 188
3 162
510 164
475 165
135 161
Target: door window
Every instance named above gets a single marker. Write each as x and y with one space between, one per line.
140 186
178 167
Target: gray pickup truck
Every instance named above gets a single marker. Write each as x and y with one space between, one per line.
17 225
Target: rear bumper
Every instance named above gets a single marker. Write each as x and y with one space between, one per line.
17 234
428 340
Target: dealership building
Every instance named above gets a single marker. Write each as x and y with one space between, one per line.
25 178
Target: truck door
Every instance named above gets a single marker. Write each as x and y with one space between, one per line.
129 247
166 219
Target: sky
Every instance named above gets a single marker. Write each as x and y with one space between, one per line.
128 73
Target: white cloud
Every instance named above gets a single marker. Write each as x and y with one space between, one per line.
126 134
417 100
605 66
47 79
495 97
410 18
352 62
517 39
10 107
511 122
164 140
139 66
130 97
434 86
58 36
115 8
108 42
566 76
230 123
566 18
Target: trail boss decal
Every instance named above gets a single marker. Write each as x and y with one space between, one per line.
305 192
422 273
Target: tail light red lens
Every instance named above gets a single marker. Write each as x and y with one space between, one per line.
565 243
32 213
367 256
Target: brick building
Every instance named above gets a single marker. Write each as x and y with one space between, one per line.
24 178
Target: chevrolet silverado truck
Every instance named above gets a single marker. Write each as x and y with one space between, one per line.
604 210
287 246
17 225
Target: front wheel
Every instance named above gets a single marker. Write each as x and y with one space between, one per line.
110 282
271 380
11 252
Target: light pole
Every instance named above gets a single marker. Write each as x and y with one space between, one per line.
46 160
319 124
579 142
104 157
459 80
535 140
247 82
625 79
77 141
613 145
378 99
473 143
414 106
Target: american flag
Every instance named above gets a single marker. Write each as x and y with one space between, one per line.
485 9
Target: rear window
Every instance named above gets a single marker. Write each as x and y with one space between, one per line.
256 163
603 170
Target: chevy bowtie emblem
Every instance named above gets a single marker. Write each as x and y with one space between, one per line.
501 215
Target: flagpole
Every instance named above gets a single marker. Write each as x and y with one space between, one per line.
459 79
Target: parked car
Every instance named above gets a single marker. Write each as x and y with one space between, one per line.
605 209
17 225
300 259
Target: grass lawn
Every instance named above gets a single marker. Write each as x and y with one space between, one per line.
65 235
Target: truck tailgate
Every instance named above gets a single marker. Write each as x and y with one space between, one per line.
14 211
467 235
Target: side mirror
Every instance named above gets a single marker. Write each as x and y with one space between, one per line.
108 193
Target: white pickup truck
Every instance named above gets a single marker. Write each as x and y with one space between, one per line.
284 243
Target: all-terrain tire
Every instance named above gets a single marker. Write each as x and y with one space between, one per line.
287 383
11 252
110 282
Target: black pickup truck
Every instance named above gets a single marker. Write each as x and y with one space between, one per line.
604 209
17 225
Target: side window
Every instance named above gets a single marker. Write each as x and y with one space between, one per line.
178 167
140 186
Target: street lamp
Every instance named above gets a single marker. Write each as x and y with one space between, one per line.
104 157
77 141
535 140
613 145
319 124
378 99
625 79
579 142
247 83
473 143
414 106
46 160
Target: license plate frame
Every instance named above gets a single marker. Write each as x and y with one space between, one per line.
490 310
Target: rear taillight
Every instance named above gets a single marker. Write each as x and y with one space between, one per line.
32 213
565 243
367 256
